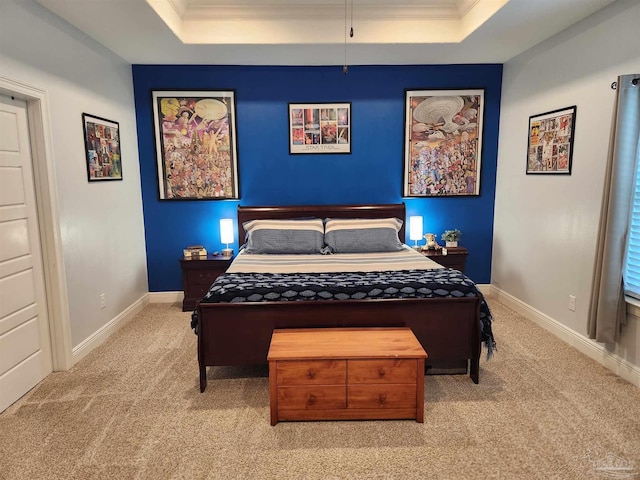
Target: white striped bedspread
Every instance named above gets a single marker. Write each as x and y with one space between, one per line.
407 259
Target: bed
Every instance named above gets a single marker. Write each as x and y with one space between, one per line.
235 320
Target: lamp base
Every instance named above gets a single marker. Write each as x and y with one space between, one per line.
227 252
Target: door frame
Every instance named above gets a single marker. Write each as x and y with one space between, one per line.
40 137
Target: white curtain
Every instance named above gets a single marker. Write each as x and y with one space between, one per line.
608 308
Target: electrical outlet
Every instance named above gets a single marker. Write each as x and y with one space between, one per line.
572 303
103 300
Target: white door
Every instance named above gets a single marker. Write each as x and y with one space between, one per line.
25 346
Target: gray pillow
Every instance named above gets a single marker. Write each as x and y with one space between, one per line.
362 235
284 236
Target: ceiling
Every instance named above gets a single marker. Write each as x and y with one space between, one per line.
315 32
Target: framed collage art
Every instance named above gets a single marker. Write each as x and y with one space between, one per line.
319 128
102 148
196 144
550 146
443 142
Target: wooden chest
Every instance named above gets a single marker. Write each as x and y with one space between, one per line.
346 373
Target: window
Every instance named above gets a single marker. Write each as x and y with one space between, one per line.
628 143
632 258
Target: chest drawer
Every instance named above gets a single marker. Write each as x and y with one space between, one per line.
456 257
382 371
451 261
312 372
381 396
203 277
198 290
312 397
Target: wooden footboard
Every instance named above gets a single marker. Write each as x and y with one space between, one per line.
240 333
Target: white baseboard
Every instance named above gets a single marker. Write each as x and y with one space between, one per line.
90 343
585 345
484 288
165 297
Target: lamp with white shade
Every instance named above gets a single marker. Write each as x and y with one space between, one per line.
415 229
226 235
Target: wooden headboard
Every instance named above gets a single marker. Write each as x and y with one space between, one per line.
321 211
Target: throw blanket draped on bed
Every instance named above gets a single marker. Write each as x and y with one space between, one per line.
414 283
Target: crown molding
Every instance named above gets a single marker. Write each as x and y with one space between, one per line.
465 6
282 21
180 6
318 12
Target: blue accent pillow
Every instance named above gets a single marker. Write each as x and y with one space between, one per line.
284 236
362 235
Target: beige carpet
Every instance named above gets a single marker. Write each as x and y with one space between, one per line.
132 410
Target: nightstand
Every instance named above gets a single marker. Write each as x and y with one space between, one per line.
198 275
456 257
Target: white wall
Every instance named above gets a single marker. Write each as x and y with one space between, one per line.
545 226
101 223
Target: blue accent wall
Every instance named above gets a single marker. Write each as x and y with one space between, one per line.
269 175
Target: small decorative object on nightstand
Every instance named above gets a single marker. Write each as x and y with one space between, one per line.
198 274
431 242
194 251
451 237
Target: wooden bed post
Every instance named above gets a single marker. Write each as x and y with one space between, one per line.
476 349
202 365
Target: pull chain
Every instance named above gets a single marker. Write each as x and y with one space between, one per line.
345 69
344 65
351 31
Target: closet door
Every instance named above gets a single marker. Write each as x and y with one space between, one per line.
25 345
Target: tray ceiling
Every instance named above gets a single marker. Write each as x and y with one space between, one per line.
295 32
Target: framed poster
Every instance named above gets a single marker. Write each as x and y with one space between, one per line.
320 128
102 148
443 142
550 146
196 144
